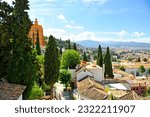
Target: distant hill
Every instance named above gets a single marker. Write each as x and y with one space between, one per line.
118 44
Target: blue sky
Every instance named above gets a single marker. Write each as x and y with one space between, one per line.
102 20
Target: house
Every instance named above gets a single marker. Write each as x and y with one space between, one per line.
133 68
11 91
130 96
139 88
92 70
90 89
113 84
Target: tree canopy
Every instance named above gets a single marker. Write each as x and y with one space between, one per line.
70 59
99 57
65 77
51 64
108 64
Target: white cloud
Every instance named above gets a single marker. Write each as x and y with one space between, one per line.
138 34
122 33
55 32
96 1
79 27
74 27
69 26
88 35
61 17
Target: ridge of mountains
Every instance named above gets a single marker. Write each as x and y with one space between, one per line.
115 44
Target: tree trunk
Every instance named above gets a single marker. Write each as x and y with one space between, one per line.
51 91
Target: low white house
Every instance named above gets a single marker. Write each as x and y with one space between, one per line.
92 70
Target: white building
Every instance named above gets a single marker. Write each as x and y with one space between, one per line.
92 70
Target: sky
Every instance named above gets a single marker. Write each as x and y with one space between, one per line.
100 20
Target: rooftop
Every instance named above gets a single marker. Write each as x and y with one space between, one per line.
10 91
92 89
130 96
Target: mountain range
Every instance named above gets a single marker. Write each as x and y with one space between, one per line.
115 44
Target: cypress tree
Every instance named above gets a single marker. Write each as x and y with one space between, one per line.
99 57
22 65
69 45
51 64
61 50
5 36
108 64
84 57
38 48
75 47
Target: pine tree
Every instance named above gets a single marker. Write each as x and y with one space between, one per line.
69 45
84 57
75 47
51 64
22 65
99 57
5 36
108 64
38 48
61 50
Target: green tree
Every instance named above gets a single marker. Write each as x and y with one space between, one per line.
38 48
148 70
99 57
60 50
33 40
138 59
36 92
21 66
51 64
84 56
75 47
108 64
142 69
145 60
122 68
70 59
5 37
69 44
65 77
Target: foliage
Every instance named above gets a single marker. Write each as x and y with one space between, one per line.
5 37
108 64
46 88
75 47
122 68
138 59
145 59
60 51
130 59
99 57
69 44
65 77
142 69
51 64
70 59
38 48
148 70
36 92
84 57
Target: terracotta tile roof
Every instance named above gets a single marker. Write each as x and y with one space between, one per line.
118 93
10 91
130 96
91 89
124 74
